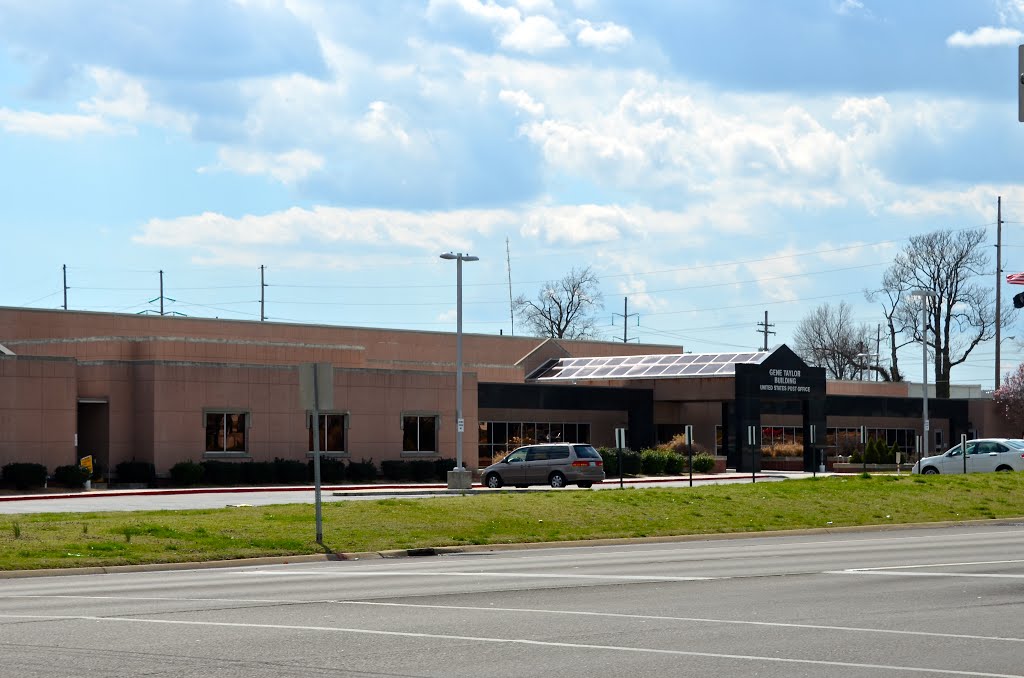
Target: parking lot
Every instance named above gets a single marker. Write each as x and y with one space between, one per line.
938 601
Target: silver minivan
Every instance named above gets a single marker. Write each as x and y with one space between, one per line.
554 464
985 454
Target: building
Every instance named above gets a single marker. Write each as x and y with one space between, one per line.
166 389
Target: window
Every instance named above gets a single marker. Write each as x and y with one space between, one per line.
498 438
419 433
226 431
332 428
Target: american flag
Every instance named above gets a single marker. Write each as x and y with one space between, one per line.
1015 279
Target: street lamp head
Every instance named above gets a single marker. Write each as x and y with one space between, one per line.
923 294
460 256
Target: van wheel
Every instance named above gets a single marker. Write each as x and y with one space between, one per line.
493 480
931 471
585 485
1004 468
557 480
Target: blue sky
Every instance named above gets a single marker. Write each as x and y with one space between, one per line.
710 159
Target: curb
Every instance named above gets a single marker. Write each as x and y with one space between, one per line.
484 548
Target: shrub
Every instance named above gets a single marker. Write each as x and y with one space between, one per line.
856 457
631 464
360 471
293 471
442 466
703 463
610 461
24 475
71 475
652 462
395 469
783 450
422 469
678 445
222 472
331 470
871 452
135 472
674 463
257 472
187 473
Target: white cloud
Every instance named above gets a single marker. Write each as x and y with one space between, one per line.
287 168
52 125
532 32
382 123
847 7
122 97
521 100
986 36
607 36
533 35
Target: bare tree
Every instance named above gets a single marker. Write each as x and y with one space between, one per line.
961 315
1009 398
564 308
828 337
891 296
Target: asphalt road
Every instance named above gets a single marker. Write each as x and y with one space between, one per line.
922 602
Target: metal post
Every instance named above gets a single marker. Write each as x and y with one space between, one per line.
999 278
65 268
316 459
963 450
814 455
460 478
460 422
161 292
924 376
689 449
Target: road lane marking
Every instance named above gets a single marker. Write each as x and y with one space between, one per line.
517 641
581 613
505 575
911 567
891 573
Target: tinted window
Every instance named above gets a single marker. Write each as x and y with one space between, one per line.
587 452
537 454
558 453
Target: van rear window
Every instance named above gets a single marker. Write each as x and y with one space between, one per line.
587 452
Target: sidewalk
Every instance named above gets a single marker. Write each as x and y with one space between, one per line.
383 488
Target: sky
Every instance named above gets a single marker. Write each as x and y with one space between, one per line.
710 160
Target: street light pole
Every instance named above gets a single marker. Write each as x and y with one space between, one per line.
459 479
924 295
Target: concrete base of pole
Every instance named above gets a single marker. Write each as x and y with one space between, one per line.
460 479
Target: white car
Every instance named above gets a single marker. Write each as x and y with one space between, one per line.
984 454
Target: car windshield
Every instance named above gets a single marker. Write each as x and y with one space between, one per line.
1016 444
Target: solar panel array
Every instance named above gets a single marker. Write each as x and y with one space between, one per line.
648 366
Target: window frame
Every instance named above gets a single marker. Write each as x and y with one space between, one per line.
346 416
246 429
421 415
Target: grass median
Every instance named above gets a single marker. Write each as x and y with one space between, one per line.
34 541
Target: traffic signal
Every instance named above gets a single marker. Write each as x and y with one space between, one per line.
1018 300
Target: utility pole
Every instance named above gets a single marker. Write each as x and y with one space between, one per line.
999 278
878 348
263 287
625 318
161 292
65 267
511 306
765 331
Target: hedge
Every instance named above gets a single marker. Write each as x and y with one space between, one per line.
24 475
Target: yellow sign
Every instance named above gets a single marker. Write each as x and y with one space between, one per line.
86 463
